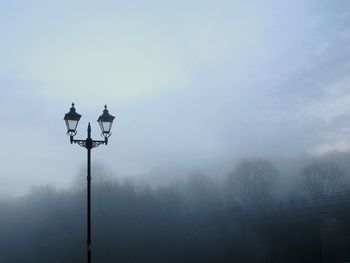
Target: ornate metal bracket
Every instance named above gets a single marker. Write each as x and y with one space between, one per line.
83 143
97 143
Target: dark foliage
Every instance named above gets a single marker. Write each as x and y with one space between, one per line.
193 221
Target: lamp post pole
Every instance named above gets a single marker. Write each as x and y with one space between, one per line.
105 120
88 178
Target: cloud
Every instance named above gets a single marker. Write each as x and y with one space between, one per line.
333 103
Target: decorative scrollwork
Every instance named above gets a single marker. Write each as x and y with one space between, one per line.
82 143
97 143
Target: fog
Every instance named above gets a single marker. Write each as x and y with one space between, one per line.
197 219
200 90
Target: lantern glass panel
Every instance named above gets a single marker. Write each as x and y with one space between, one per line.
71 125
105 126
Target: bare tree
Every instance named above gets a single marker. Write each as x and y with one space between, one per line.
252 182
321 179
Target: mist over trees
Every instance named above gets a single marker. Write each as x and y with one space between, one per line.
193 220
252 183
321 179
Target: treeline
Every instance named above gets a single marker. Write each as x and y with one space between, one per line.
190 221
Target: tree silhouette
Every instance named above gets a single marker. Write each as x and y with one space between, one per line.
252 183
321 179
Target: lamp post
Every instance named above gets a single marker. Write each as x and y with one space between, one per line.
105 120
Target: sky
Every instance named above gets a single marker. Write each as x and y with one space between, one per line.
190 83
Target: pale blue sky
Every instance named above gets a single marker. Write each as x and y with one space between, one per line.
190 82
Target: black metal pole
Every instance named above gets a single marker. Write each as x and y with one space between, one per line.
89 143
89 147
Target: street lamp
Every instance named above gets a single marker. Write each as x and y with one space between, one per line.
105 120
